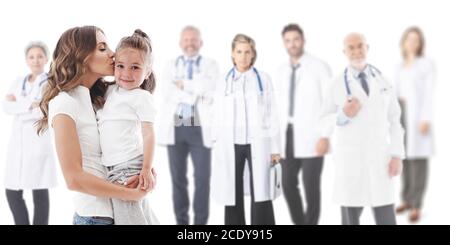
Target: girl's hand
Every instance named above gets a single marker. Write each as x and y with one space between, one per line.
146 179
154 177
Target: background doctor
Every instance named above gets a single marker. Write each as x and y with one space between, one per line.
302 85
246 130
189 82
30 164
414 78
368 137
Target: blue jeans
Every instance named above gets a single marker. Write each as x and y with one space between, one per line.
80 220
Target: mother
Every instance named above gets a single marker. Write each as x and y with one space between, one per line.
75 91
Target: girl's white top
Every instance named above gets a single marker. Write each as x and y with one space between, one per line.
119 123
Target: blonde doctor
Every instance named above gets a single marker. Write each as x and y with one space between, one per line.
368 137
30 164
246 130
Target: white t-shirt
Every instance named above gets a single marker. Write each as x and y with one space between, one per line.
77 105
119 123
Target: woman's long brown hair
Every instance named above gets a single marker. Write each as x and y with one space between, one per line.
68 64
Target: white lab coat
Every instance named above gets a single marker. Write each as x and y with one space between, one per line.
198 91
30 163
312 79
264 140
415 85
364 146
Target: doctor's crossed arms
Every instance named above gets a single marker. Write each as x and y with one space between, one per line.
188 83
30 165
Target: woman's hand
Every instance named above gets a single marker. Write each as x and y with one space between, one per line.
275 158
132 182
424 127
136 194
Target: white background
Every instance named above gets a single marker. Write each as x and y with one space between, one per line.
325 23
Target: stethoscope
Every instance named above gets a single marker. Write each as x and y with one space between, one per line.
24 84
267 108
373 72
232 73
182 59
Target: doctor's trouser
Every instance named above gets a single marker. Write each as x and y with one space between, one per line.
414 176
311 172
261 212
188 140
384 215
19 208
130 212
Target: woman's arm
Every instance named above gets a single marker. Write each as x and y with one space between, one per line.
146 177
69 155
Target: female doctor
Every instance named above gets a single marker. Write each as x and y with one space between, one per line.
245 129
30 163
415 82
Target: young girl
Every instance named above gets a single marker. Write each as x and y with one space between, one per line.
126 127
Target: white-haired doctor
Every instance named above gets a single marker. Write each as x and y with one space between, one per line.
368 137
30 163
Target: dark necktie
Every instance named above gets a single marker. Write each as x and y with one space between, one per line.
363 78
190 68
186 110
292 90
